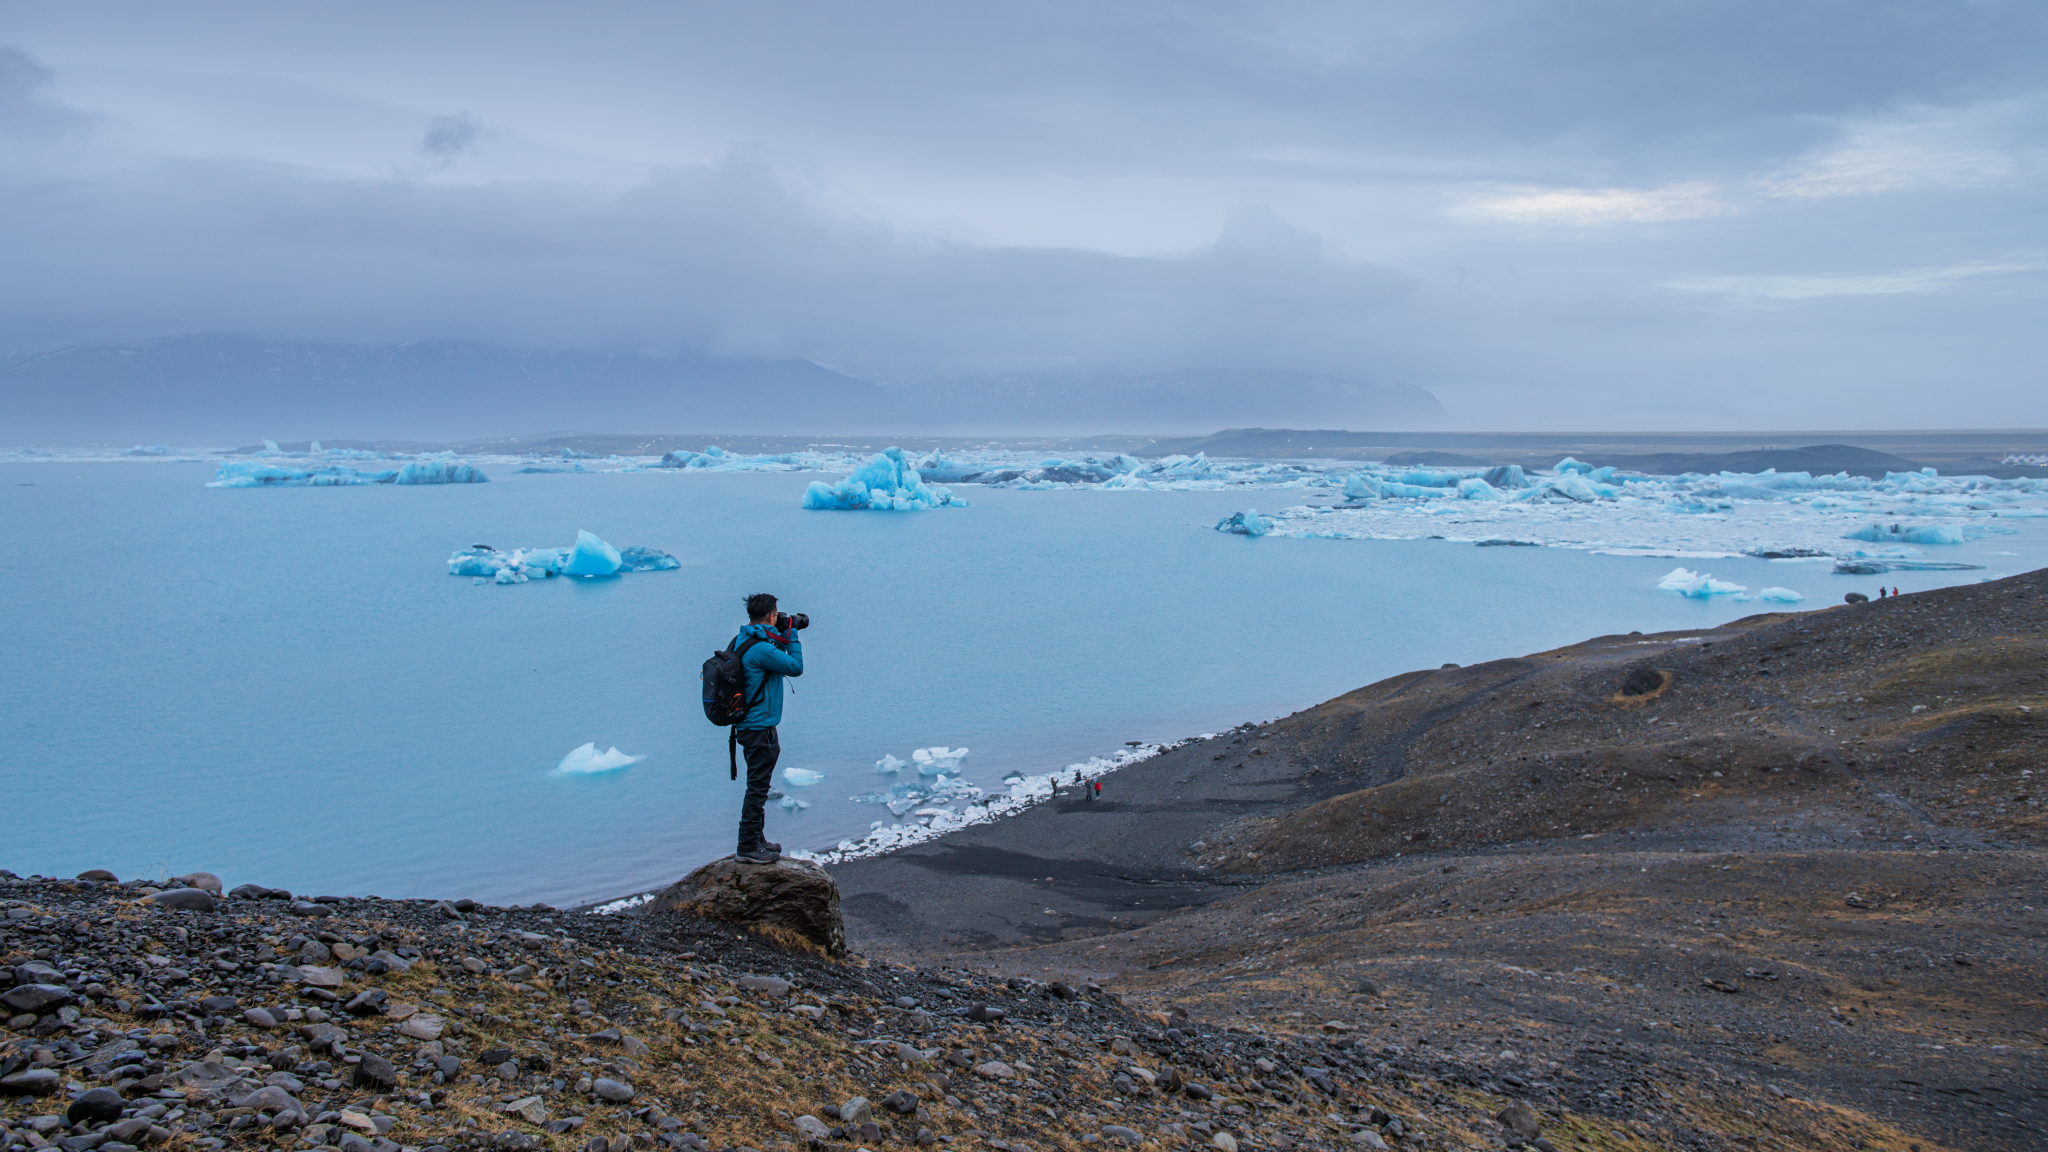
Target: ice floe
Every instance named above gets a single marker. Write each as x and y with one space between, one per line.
1245 523
929 820
801 777
257 472
887 482
1698 585
588 557
586 760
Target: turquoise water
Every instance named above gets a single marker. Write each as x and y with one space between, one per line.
284 686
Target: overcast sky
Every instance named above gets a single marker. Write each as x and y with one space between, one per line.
1553 215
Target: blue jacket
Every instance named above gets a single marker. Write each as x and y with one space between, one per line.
773 660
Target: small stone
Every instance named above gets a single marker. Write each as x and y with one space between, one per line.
906 1002
100 875
186 899
99 1105
1121 1134
811 1128
204 881
1368 1138
770 986
1197 1091
900 1102
870 1132
448 910
376 1072
309 908
529 1109
37 998
422 1027
856 1110
1520 1119
1368 988
368 1002
613 1091
1223 1142
259 1018
995 1070
983 1014
274 1099
34 1082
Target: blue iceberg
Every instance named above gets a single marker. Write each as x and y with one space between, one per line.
262 473
589 556
1698 585
885 483
1245 523
586 760
940 761
1901 534
1780 595
801 777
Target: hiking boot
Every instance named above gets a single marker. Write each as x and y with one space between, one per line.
771 846
758 856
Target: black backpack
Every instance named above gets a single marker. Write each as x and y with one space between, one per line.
725 695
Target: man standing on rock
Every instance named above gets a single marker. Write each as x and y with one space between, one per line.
776 654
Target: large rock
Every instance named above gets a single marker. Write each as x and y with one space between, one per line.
796 895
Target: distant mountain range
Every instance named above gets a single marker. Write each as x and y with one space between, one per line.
233 389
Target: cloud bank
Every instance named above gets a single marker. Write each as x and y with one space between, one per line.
1596 215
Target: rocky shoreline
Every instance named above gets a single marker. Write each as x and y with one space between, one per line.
257 1020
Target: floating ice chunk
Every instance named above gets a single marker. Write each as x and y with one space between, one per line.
792 804
640 558
523 564
885 483
255 473
940 761
1506 476
1245 523
801 777
1569 465
890 764
586 759
1473 488
1697 585
439 472
592 557
1914 534
1780 595
149 450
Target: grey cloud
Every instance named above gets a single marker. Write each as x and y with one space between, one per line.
449 136
25 106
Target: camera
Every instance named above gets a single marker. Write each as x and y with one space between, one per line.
796 620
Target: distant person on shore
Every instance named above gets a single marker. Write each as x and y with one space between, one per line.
1895 593
1880 591
1095 790
775 653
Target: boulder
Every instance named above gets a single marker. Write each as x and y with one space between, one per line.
99 874
204 881
795 895
190 899
1520 1119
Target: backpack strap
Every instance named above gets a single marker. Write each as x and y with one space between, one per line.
732 735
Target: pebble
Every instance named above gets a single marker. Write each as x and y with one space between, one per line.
811 1128
856 1110
35 1082
1225 1142
37 998
1121 1134
259 1018
613 1091
770 986
995 1070
376 1072
99 1105
900 1102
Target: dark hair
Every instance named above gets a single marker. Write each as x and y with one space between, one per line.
760 606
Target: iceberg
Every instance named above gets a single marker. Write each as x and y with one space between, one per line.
1473 488
885 483
1506 476
591 557
1245 523
1697 585
938 761
149 450
1780 595
801 777
1569 465
439 472
254 473
586 760
890 765
1917 534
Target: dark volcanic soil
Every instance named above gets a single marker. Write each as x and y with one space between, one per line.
1804 850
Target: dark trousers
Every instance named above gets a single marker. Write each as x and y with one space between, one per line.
763 750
